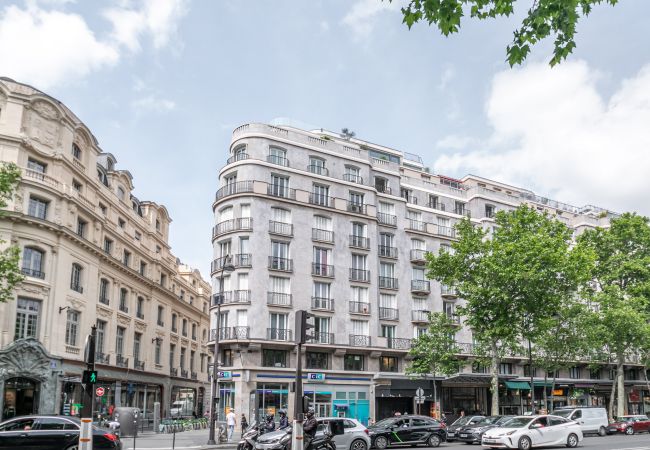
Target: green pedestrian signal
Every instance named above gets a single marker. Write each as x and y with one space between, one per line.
89 377
93 377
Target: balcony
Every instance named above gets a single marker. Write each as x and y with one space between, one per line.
387 252
237 157
359 340
102 358
278 334
321 200
221 298
33 273
442 230
322 270
420 286
240 296
448 291
173 372
416 225
358 208
239 260
318 170
230 333
184 373
352 178
360 275
384 189
418 256
322 303
461 211
359 307
276 190
388 313
399 343
280 228
436 205
359 242
280 264
123 308
237 187
387 219
121 361
278 160
419 316
77 287
278 299
231 225
465 348
104 300
388 283
138 365
454 318
321 338
322 235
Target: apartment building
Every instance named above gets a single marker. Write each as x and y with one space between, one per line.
340 227
92 255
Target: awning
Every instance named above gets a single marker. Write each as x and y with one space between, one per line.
542 384
517 385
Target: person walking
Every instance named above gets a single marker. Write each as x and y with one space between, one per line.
244 423
231 421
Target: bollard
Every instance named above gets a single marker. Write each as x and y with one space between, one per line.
156 417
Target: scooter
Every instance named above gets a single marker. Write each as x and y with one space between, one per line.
281 440
249 437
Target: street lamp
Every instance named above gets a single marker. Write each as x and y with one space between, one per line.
227 266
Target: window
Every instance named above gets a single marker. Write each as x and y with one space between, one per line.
505 369
104 291
139 308
76 151
124 307
137 235
355 201
182 361
101 336
161 315
81 227
36 166
33 262
388 331
381 185
163 279
157 351
174 325
226 357
278 156
137 341
316 360
194 331
121 223
574 372
184 327
77 186
448 308
103 209
477 367
143 268
360 327
37 208
274 358
353 362
157 225
120 192
27 313
279 186
126 258
108 245
75 278
320 195
158 249
490 210
317 166
388 364
172 355
352 174
119 341
527 370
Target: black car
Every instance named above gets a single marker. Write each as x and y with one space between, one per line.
464 421
474 433
51 433
407 430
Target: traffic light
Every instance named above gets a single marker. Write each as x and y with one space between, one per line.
89 377
304 323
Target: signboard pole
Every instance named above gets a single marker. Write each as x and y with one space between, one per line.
89 391
86 434
297 442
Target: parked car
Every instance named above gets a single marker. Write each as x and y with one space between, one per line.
407 430
473 433
590 419
630 424
51 433
355 435
525 432
464 421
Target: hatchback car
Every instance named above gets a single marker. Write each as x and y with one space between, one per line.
407 430
525 432
51 433
630 424
355 435
473 433
461 422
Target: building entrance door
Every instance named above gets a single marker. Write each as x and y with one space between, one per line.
20 397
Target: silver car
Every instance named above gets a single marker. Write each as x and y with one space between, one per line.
355 436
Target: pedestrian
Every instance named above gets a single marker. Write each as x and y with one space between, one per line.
231 421
244 423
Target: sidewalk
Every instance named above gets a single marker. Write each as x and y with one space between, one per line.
185 440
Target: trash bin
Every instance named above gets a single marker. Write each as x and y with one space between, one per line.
129 419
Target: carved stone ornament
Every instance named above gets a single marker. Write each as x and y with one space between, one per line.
45 110
18 199
140 326
123 320
193 346
41 124
76 303
173 338
104 312
25 358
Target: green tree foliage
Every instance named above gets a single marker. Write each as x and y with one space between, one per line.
512 282
435 352
621 290
9 257
558 18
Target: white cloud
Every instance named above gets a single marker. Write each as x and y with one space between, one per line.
455 142
49 47
553 131
448 74
361 17
153 104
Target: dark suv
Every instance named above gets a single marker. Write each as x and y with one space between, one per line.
474 433
461 422
51 433
407 430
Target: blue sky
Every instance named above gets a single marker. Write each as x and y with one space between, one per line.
162 83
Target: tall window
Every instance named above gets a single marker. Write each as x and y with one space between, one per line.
360 327
359 294
126 259
182 361
36 166
281 215
320 195
353 362
352 174
317 166
278 156
358 262
172 355
194 331
388 364
76 151
104 291
388 331
124 307
137 341
75 278
33 262
37 208
355 201
279 186
119 341
27 313
161 315
174 324
140 308
157 351
108 245
72 327
81 227
278 321
184 329
101 336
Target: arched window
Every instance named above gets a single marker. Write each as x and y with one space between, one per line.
75 278
33 259
184 329
104 291
174 323
278 156
120 192
76 151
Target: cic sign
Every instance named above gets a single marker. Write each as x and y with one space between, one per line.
315 377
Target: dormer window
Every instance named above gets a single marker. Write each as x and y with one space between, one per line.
120 193
76 151
157 225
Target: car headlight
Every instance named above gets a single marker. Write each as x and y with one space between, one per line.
285 439
510 433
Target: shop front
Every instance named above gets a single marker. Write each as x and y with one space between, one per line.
268 398
340 400
465 392
398 395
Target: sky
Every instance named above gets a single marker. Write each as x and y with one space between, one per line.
162 84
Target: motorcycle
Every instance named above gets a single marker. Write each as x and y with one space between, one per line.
281 440
249 437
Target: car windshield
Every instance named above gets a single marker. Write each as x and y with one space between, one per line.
625 419
462 421
563 412
503 420
517 422
488 421
385 422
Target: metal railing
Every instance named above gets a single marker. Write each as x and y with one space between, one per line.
237 187
279 160
419 316
276 190
102 358
237 157
321 200
238 260
388 313
228 226
322 235
387 219
420 286
359 307
383 189
278 334
399 343
121 361
318 170
352 178
359 340
138 365
387 252
322 303
230 333
322 338
281 264
322 270
281 228
445 231
358 208
359 241
360 275
416 225
77 287
388 283
221 297
33 273
418 255
448 291
173 371
278 299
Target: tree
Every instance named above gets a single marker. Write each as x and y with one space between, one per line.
545 18
435 352
10 274
513 282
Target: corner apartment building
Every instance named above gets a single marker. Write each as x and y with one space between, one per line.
340 227
91 254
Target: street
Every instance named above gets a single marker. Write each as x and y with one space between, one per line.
193 440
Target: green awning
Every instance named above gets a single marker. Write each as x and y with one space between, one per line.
542 384
517 385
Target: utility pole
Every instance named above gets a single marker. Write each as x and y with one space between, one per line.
302 328
89 387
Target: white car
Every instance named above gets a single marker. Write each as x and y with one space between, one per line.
354 437
525 432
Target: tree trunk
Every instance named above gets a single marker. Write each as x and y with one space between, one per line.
494 382
553 391
620 398
545 394
435 399
645 377
611 400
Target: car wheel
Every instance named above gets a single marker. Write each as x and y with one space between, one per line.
602 431
572 441
524 443
73 447
629 431
434 440
381 442
358 444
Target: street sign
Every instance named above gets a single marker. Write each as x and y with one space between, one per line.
419 400
225 374
316 377
99 391
89 377
419 392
